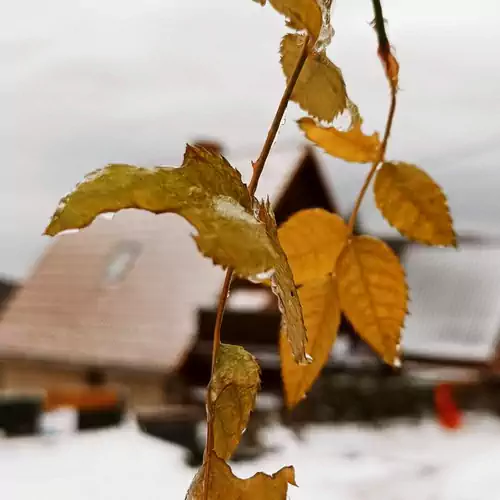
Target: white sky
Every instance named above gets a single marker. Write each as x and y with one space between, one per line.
87 82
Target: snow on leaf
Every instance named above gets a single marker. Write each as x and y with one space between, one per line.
321 309
320 88
326 33
312 240
232 394
283 287
224 485
373 294
350 145
414 204
205 190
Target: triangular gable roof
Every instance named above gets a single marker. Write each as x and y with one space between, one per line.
305 189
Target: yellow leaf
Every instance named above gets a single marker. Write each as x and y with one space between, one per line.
283 287
205 190
321 309
302 14
320 89
312 240
350 145
373 294
232 393
414 204
224 485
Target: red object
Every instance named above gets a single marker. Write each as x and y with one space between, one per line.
449 414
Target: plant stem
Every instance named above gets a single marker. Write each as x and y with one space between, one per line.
379 24
258 167
373 169
391 69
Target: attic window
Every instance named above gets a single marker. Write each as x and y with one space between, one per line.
121 261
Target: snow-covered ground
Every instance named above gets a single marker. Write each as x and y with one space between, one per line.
400 462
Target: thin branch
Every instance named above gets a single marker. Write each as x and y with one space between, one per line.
258 167
373 169
391 68
224 294
379 25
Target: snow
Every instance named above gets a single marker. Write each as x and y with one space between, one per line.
231 209
403 461
120 463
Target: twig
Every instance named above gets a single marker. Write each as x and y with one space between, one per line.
373 169
258 167
391 70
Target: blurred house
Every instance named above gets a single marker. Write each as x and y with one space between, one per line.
129 302
117 303
7 291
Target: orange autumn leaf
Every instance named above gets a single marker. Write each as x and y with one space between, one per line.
350 145
414 204
312 240
222 484
373 294
321 309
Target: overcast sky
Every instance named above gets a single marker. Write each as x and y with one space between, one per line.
87 82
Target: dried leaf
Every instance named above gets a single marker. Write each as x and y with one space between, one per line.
354 114
321 309
320 89
312 240
232 392
373 294
301 14
206 191
414 204
283 287
224 485
350 145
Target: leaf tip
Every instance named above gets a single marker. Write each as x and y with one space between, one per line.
290 476
48 231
